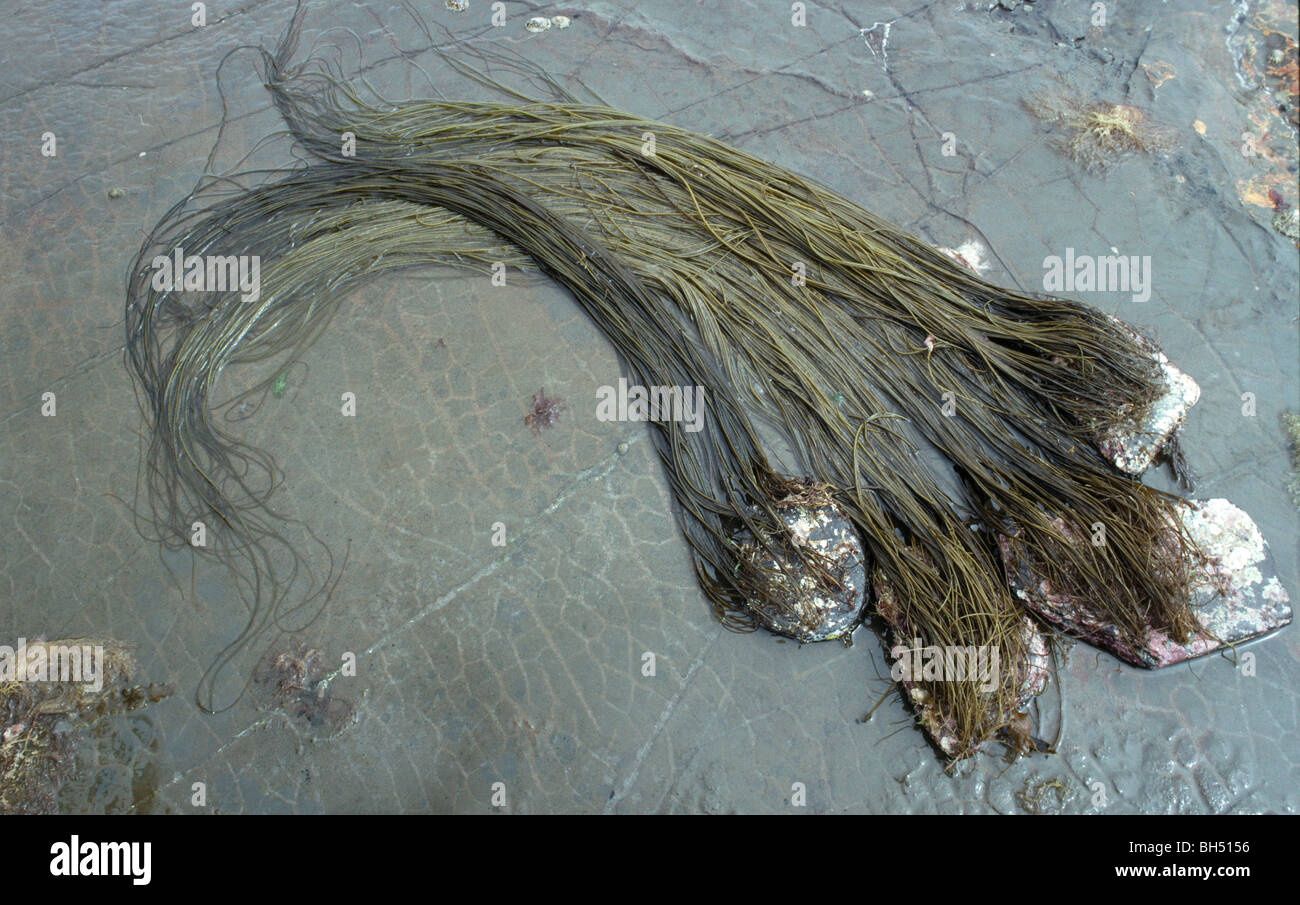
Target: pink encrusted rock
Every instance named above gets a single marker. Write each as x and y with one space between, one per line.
1236 596
939 726
1031 674
1132 446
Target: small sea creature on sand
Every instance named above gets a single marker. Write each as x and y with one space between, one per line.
545 411
295 680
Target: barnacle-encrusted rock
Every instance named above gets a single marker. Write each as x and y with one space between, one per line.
789 597
1235 594
1030 679
1132 445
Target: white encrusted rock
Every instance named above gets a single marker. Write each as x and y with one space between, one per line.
794 600
1132 445
1235 594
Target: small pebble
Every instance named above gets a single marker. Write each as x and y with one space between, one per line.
622 448
458 6
537 24
560 21
117 193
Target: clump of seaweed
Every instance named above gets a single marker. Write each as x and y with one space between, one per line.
1048 796
1291 427
55 734
1098 134
683 260
545 411
294 680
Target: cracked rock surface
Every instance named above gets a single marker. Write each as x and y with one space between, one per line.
577 663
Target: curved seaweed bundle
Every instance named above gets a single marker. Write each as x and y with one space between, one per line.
938 409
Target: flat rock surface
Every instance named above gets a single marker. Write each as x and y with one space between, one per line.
523 664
